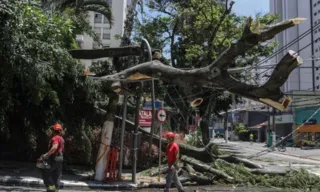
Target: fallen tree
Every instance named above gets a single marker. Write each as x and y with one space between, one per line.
216 75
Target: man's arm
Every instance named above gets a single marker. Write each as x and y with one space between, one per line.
53 149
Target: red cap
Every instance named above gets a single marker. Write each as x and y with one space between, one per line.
170 135
57 127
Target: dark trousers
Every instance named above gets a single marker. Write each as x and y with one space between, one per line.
51 177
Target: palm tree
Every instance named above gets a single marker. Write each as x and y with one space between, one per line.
80 6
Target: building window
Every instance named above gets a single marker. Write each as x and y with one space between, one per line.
315 23
106 33
97 30
317 86
315 14
317 77
314 4
97 18
317 68
318 2
106 46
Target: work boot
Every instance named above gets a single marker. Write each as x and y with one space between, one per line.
51 188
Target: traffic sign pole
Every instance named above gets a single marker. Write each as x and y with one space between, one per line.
160 151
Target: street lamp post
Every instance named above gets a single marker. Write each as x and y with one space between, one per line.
273 129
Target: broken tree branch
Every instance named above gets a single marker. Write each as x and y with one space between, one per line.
250 39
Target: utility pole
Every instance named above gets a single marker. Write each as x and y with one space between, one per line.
273 129
233 113
226 127
135 140
160 143
123 126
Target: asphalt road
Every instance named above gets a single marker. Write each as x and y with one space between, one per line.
258 151
189 189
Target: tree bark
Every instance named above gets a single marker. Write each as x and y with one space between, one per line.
216 74
103 53
204 126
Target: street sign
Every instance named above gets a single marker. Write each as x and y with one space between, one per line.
161 115
145 118
148 105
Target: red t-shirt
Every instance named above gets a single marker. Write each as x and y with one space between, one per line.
57 140
171 152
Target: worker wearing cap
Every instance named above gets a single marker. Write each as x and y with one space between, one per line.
173 157
51 177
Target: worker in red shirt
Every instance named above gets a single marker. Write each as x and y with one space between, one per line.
54 157
173 157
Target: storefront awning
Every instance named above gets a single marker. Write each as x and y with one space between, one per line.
259 125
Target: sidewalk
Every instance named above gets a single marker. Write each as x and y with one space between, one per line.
26 174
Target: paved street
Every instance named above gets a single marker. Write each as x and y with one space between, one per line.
188 189
291 158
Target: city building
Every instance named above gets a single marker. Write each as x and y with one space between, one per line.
109 36
306 77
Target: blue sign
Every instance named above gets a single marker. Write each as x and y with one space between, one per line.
148 104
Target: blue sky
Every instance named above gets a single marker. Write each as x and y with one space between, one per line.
250 7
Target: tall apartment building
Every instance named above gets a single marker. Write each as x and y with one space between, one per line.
102 27
306 77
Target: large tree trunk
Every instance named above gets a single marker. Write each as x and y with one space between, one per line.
204 126
106 136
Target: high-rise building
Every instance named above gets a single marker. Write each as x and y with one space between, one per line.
109 36
307 76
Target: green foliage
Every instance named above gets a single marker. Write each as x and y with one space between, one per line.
240 129
40 82
300 179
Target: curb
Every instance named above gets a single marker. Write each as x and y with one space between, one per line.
35 182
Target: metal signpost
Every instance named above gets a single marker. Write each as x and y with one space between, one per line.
161 117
